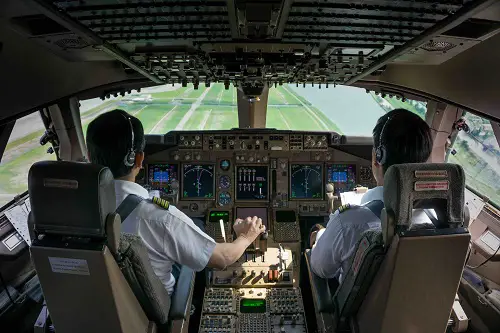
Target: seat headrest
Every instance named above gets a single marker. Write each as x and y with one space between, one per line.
433 183
71 198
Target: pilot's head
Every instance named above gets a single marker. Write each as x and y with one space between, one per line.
116 140
399 136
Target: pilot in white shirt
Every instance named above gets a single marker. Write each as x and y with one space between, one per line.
338 240
399 137
164 232
116 139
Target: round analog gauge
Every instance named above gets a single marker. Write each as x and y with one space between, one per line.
225 165
224 198
224 182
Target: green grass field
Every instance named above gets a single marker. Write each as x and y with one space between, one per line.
170 108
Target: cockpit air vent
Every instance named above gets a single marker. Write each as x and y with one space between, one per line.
438 46
71 43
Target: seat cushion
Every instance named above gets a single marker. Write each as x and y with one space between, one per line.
147 287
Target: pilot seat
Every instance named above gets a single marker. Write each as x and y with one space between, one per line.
403 278
94 278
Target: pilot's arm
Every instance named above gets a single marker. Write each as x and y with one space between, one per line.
187 245
327 252
246 231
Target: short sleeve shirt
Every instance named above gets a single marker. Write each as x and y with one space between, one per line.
169 235
336 243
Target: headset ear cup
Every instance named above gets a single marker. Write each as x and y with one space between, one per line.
130 159
380 155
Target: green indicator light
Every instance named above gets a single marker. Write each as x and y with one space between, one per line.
253 302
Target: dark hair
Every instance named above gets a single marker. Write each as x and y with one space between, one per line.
406 137
109 140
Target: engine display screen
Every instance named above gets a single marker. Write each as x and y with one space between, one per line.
252 305
161 176
306 181
198 181
342 176
244 212
251 183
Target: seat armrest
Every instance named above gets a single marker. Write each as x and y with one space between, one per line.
319 288
180 305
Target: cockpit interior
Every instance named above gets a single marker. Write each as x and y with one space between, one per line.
250 108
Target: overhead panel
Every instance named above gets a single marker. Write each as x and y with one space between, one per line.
251 43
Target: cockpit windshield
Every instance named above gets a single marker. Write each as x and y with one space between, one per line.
346 110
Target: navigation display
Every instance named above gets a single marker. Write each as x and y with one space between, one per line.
161 176
342 176
198 181
251 183
306 181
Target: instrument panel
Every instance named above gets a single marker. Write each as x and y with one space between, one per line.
228 169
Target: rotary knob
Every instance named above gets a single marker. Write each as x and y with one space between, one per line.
197 138
251 158
198 157
187 157
176 157
265 158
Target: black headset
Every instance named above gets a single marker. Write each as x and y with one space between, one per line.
129 159
381 152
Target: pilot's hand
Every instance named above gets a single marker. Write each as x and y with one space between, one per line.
314 234
250 228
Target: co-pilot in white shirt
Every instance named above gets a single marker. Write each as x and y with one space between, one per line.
337 242
169 235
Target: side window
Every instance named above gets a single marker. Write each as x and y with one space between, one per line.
479 154
23 149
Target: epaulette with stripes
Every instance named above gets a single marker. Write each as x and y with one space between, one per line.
161 202
343 208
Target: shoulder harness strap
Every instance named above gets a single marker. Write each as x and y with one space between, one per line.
376 207
128 205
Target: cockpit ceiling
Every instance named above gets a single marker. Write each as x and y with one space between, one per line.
253 42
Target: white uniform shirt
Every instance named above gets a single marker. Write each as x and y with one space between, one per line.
169 235
337 242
